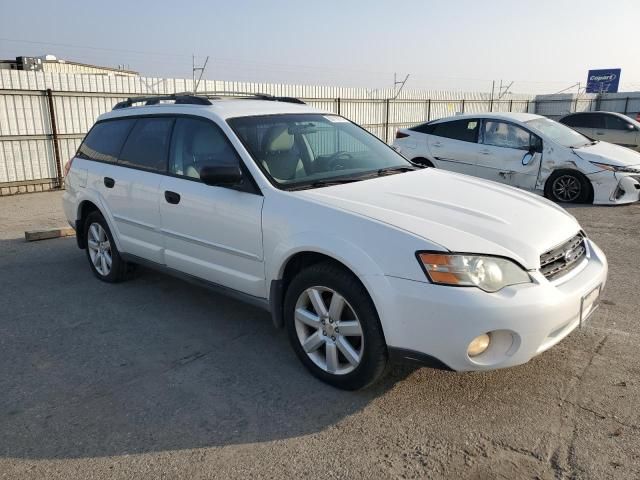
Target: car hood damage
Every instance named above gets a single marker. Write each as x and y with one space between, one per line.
457 212
603 152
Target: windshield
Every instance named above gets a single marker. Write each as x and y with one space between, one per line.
297 150
559 133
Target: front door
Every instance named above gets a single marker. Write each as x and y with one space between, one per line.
211 232
506 154
617 130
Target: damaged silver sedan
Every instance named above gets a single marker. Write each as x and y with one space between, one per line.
527 151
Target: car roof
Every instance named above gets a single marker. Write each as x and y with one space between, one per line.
513 116
221 108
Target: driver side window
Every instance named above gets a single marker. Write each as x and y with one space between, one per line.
196 144
504 134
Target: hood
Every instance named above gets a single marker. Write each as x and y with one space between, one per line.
457 212
604 152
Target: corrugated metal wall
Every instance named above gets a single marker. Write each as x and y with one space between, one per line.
27 154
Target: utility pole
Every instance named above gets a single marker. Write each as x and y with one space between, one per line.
396 83
506 90
194 69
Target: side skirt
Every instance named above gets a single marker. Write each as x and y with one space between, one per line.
229 292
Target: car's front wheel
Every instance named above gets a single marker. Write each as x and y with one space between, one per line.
334 328
568 186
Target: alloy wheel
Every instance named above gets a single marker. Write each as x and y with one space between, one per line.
99 249
329 330
567 188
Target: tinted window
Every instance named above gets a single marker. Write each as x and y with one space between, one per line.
585 120
465 130
104 141
507 135
424 128
199 143
148 144
612 122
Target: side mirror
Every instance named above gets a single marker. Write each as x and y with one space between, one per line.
536 146
221 176
630 127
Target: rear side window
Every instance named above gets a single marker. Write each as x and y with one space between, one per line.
424 128
104 141
464 130
148 144
585 120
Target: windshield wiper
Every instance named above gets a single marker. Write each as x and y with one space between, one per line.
324 183
396 169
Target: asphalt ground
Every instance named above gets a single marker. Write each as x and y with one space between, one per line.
157 378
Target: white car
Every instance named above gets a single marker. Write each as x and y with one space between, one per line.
527 151
362 256
610 127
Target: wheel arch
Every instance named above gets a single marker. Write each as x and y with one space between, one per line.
85 207
558 171
298 259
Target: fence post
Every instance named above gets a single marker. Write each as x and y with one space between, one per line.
429 110
491 105
338 102
626 105
575 107
462 105
527 106
54 138
386 123
511 105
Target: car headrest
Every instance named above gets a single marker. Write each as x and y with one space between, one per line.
277 139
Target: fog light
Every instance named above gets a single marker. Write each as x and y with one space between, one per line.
478 345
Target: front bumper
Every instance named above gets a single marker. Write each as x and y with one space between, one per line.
438 322
617 188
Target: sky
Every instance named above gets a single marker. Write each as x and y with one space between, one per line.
541 46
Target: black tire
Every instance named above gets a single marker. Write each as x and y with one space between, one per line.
561 185
423 161
119 268
374 355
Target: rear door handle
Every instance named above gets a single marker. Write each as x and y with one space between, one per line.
172 197
109 182
599 133
437 144
485 152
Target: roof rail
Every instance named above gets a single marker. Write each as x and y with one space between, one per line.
248 95
179 99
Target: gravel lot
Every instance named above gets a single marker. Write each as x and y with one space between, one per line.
156 378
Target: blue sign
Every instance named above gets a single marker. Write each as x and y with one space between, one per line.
603 81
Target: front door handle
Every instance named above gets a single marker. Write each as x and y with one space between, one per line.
109 182
485 152
437 144
172 197
599 133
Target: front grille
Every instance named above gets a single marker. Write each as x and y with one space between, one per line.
564 258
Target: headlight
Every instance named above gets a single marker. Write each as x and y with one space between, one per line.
487 273
614 168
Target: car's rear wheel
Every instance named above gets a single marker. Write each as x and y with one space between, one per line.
104 259
568 186
334 328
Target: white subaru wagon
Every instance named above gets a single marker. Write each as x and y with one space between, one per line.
361 255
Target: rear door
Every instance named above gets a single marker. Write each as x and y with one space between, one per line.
617 130
506 154
131 187
454 144
211 232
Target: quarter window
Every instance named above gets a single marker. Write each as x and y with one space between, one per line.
197 144
148 144
464 130
104 141
507 135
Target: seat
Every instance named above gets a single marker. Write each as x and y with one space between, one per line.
208 147
280 155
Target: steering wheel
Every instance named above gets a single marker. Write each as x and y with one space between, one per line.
338 160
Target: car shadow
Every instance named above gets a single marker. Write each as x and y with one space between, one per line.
153 364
